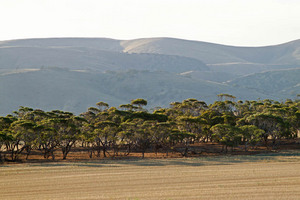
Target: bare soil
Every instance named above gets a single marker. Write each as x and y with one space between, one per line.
261 176
195 150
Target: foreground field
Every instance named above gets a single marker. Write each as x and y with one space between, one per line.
270 176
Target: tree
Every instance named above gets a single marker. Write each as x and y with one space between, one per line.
102 106
273 126
105 132
68 131
184 138
160 136
25 135
227 135
4 139
226 96
251 135
139 103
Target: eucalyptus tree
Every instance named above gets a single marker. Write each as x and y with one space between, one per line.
227 135
174 110
67 127
88 138
188 107
210 118
5 139
128 107
251 135
102 127
223 106
191 107
6 134
2 140
26 135
102 106
105 132
24 113
126 134
139 103
142 137
184 138
18 142
48 139
274 126
160 136
46 136
12 131
295 123
289 111
242 108
226 97
194 125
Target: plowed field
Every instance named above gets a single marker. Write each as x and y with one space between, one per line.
270 176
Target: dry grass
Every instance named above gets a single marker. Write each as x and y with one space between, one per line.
270 176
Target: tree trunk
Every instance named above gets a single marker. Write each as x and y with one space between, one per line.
28 150
246 146
66 150
104 152
128 149
185 153
52 154
143 154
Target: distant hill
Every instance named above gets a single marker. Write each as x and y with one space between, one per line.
75 91
222 58
74 73
82 58
288 53
218 77
281 83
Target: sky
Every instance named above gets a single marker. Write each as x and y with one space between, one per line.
230 22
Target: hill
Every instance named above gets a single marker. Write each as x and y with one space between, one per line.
235 60
281 83
82 58
75 91
75 73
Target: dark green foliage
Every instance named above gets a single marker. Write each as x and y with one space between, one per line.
149 116
107 131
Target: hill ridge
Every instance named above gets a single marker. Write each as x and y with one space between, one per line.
164 70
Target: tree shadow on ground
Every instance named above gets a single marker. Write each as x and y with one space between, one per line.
284 156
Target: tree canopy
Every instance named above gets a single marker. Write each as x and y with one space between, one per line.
110 131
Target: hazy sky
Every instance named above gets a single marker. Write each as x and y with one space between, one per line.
232 22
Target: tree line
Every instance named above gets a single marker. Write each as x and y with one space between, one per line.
112 131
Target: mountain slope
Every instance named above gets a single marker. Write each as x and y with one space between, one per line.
283 83
82 58
222 58
218 77
104 44
75 73
76 91
209 53
288 53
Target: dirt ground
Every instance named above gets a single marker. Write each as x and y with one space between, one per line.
261 176
195 150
